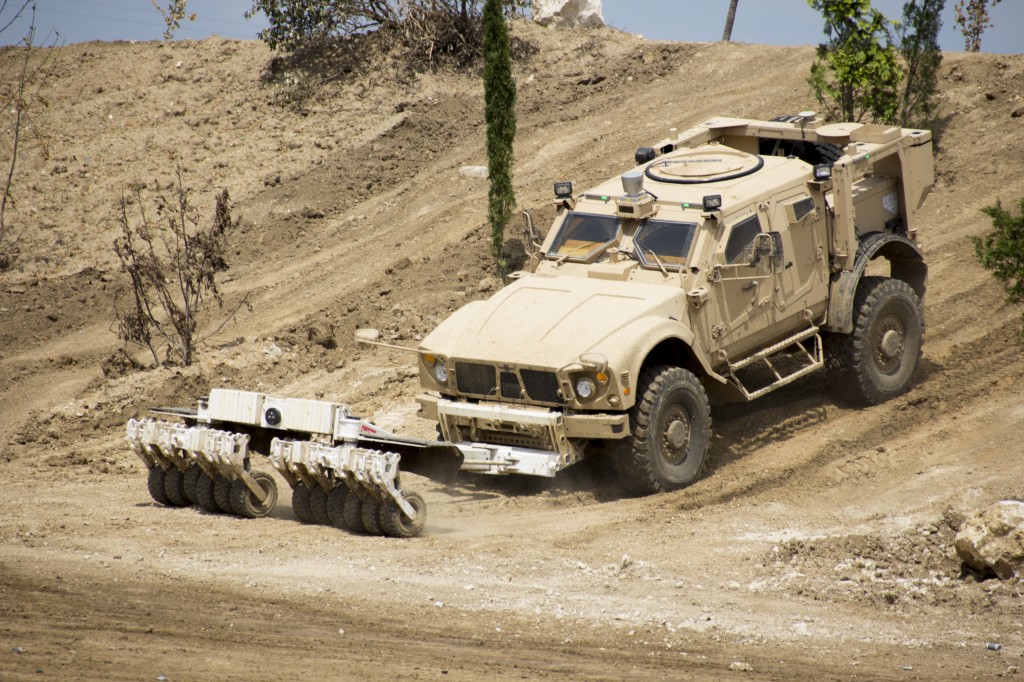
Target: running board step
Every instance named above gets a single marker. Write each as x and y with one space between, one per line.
814 357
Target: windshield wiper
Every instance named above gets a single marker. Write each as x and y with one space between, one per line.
572 251
661 266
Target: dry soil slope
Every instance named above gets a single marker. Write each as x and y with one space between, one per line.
354 213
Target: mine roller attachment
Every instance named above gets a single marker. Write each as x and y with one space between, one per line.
200 465
350 486
343 471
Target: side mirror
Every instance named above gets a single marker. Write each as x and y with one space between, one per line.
767 246
532 234
371 337
761 248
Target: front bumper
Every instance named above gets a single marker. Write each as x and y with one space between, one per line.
536 429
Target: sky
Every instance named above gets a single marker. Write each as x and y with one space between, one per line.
772 22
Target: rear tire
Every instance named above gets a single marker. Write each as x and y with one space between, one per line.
204 493
351 513
369 515
318 506
245 503
222 494
300 503
671 430
877 360
155 483
396 524
336 506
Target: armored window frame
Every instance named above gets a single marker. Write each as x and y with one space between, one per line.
653 227
741 236
799 208
575 222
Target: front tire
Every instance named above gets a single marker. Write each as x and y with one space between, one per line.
877 360
671 430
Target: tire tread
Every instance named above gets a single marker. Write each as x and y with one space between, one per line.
848 362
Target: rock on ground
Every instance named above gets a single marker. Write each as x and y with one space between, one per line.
992 542
568 13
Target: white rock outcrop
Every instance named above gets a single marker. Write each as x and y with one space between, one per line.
568 13
992 542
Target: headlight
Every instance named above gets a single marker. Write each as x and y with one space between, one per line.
585 388
441 373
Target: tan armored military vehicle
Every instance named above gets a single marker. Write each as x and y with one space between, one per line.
731 261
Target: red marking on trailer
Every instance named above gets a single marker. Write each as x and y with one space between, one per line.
366 428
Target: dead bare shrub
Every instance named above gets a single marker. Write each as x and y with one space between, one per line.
172 264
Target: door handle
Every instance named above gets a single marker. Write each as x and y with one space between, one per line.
750 286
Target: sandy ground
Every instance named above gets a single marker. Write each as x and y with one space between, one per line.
818 545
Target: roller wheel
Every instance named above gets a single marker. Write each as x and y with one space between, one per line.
204 493
336 506
191 480
396 524
318 506
368 514
352 513
300 503
174 486
156 485
245 503
222 494
671 429
877 360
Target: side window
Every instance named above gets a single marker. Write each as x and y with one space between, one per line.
798 209
742 236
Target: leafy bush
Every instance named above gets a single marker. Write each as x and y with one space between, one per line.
1002 251
856 74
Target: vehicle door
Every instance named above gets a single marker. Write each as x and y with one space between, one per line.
742 283
798 217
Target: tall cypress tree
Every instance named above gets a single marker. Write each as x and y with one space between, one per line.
500 113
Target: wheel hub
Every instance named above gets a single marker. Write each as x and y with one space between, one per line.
889 348
676 436
890 345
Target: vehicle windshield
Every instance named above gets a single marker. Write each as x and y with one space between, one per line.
670 241
583 235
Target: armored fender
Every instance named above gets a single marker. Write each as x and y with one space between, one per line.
664 341
906 263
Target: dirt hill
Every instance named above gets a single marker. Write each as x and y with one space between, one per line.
818 546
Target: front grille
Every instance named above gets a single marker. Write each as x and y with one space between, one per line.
471 377
510 387
541 386
519 440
